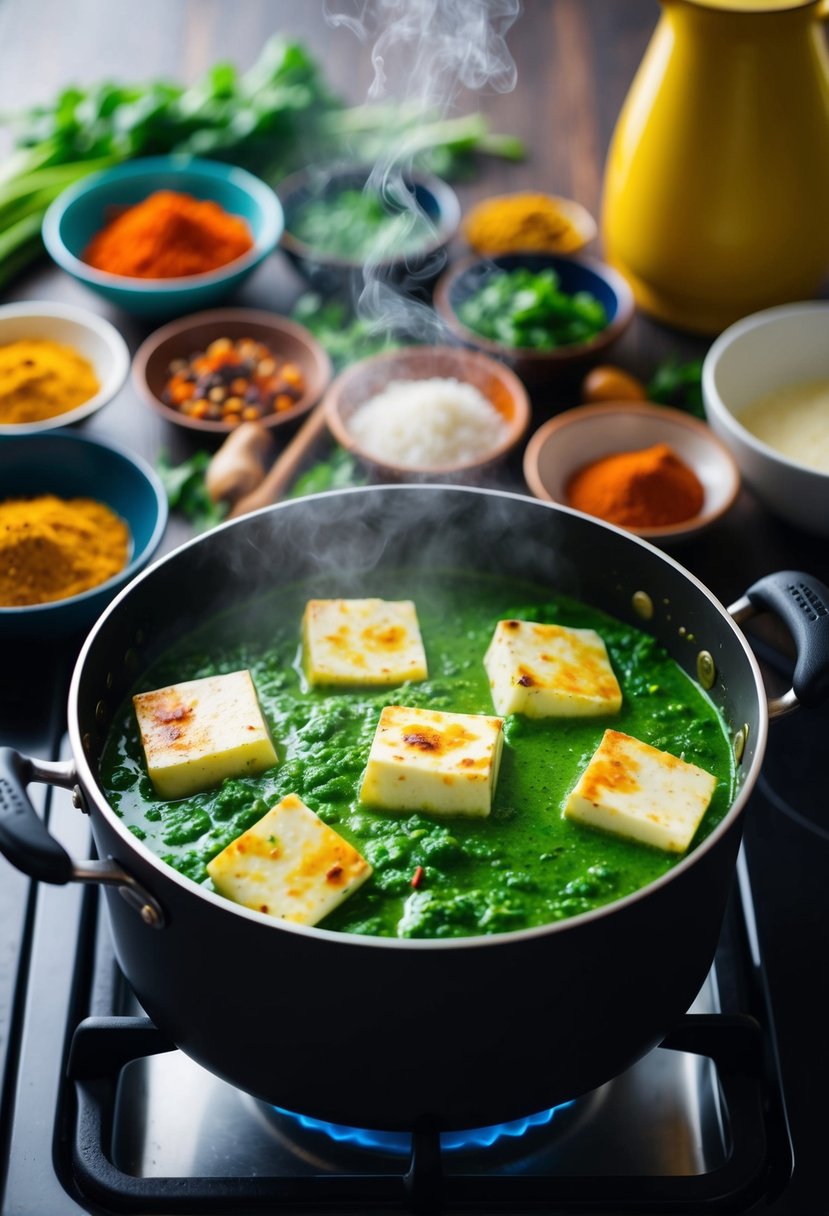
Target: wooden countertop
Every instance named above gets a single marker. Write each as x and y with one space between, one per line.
575 60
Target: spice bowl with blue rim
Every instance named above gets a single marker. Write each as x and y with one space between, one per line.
85 333
72 466
571 315
83 209
578 437
343 228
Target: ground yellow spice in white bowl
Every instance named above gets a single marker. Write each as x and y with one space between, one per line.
58 365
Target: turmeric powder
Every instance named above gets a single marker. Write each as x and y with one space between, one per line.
509 223
643 489
52 548
40 379
167 236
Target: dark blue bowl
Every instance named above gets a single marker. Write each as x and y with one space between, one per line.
575 274
414 270
72 466
83 209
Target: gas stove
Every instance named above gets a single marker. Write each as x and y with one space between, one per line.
101 1114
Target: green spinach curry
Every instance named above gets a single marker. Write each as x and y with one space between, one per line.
522 866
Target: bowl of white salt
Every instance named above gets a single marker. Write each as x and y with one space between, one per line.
424 412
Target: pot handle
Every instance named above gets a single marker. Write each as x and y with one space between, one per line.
26 842
802 603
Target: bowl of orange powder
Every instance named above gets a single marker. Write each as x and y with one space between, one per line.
653 470
164 235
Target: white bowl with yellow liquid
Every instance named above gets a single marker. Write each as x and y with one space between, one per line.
765 384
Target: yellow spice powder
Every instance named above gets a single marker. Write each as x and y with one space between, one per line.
510 223
40 378
51 548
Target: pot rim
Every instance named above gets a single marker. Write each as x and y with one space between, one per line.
167 874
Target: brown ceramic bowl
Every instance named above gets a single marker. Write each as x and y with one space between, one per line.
569 441
363 380
181 338
536 367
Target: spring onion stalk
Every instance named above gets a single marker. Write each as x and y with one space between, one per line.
278 116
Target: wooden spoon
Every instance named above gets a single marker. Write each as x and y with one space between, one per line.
285 467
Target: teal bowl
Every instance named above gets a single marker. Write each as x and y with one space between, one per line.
75 467
84 208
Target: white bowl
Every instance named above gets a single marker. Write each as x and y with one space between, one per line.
577 437
90 335
760 354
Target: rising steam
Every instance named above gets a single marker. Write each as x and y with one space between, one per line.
424 54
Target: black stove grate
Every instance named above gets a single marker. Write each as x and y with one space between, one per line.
102 1047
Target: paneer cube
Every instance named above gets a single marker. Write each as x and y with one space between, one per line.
197 733
290 864
438 763
550 671
637 791
370 641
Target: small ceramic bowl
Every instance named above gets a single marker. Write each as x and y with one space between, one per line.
765 353
88 334
580 231
84 208
579 436
329 272
182 338
72 466
363 380
575 274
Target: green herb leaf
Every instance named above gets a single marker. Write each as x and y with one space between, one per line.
186 491
338 472
345 337
678 384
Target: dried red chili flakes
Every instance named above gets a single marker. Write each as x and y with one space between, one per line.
233 380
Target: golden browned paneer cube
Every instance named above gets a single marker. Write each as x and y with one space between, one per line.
197 733
438 763
637 791
550 671
290 864
369 642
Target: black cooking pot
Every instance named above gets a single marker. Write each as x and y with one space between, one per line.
379 1032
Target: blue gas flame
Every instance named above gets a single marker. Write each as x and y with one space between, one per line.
400 1143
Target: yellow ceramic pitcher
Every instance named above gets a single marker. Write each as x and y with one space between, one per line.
716 193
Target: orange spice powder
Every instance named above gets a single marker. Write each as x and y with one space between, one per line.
643 489
169 235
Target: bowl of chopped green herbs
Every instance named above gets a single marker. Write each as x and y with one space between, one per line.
343 222
541 313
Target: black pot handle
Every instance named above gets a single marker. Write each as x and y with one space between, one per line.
26 842
802 603
24 838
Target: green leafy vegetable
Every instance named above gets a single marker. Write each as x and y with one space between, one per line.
678 384
358 224
338 472
186 491
345 337
276 117
524 308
